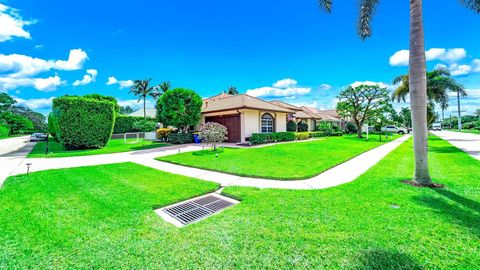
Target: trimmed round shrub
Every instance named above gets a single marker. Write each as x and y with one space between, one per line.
213 133
291 126
4 130
180 108
83 122
302 126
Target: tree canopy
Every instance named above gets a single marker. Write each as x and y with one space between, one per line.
363 103
180 108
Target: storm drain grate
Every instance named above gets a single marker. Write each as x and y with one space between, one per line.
184 213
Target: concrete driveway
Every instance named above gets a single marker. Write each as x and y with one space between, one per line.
12 153
468 142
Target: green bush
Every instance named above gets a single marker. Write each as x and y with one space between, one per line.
53 126
105 98
336 128
326 128
83 122
180 138
17 123
291 126
469 125
4 130
337 133
144 125
302 126
317 134
302 136
260 138
351 128
282 136
124 123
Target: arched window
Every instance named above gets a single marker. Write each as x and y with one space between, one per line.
267 123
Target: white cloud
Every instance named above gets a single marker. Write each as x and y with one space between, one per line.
35 103
38 46
285 83
12 24
17 65
400 58
381 84
134 104
41 84
87 78
325 86
473 93
123 84
459 70
476 65
282 88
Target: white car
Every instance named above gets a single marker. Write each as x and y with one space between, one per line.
437 127
35 137
395 129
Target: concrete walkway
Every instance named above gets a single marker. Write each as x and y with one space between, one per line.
343 173
12 154
468 142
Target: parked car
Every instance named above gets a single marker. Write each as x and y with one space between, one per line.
437 127
35 137
395 129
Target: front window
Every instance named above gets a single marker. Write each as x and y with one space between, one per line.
267 123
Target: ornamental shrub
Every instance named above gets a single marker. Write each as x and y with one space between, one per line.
260 138
302 126
317 134
337 133
144 125
291 126
180 138
83 122
351 128
124 123
302 136
213 133
326 128
162 133
4 130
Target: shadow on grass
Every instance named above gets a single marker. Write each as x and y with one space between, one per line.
455 212
384 260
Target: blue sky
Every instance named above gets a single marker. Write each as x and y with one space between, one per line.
286 50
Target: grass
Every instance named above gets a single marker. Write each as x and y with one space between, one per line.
113 146
284 161
101 217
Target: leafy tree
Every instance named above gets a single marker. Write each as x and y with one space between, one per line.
232 90
417 64
6 102
143 89
18 124
213 133
180 108
362 103
126 110
407 116
38 119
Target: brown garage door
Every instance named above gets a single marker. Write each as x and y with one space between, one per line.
232 122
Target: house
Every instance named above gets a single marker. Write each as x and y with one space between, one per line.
311 116
244 115
150 112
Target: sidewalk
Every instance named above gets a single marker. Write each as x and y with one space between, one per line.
467 142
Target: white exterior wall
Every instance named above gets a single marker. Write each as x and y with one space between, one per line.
281 122
252 123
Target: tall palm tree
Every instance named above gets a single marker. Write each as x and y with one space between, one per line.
165 86
417 74
143 89
439 82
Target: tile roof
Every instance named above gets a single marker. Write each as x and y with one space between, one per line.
243 101
151 112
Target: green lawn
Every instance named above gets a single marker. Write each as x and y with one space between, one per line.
283 161
113 146
101 217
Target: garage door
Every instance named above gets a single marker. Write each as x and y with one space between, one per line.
232 122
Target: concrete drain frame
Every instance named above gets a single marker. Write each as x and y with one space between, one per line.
193 210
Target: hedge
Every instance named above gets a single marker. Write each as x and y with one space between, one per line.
4 130
302 136
83 122
53 125
259 138
179 138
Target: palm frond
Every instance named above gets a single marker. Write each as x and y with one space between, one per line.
367 11
325 5
472 4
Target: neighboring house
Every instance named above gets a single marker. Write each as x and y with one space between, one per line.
151 113
244 115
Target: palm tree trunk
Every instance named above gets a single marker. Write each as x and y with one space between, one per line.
144 108
459 112
418 93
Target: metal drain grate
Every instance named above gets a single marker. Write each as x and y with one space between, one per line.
196 209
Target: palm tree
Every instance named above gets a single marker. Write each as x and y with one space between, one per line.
232 90
165 86
142 89
439 83
417 74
